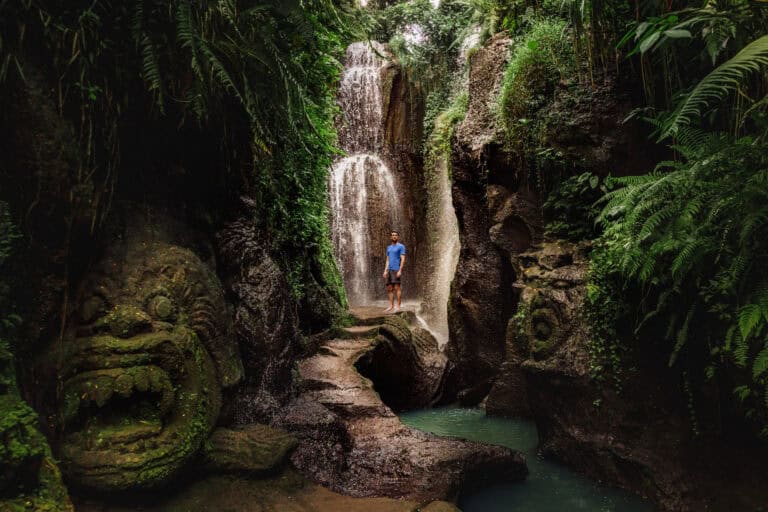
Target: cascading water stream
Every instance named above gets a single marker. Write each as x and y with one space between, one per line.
365 200
443 251
363 191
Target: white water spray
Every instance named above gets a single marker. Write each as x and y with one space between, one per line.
443 249
363 191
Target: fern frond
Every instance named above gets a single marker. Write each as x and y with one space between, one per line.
682 335
718 84
760 364
692 252
740 349
750 316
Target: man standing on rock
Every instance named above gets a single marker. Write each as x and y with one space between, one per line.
393 269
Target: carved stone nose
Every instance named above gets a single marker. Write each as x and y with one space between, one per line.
127 321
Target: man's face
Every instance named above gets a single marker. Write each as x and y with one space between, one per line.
394 237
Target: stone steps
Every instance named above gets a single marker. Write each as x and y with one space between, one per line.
360 331
370 315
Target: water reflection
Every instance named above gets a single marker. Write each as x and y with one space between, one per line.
550 487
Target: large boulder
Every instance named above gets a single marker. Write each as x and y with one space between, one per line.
266 325
406 365
324 438
254 449
481 299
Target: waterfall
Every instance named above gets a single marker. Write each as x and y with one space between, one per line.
443 250
365 198
359 97
363 192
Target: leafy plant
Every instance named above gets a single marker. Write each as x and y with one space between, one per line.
425 40
727 78
570 209
683 44
439 142
538 61
249 85
691 239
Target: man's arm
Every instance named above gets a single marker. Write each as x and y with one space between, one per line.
402 265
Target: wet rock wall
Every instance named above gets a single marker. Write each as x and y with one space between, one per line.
518 341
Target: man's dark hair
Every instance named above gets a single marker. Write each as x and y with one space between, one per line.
395 232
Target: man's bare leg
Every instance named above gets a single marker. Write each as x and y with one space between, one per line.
399 297
391 294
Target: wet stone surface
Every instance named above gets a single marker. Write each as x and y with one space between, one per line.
350 441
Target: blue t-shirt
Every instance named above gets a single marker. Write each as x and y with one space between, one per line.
393 254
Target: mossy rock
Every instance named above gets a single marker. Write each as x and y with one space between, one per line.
254 449
29 477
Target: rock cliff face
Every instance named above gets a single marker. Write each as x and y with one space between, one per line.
499 206
641 439
517 334
516 322
266 325
481 298
406 365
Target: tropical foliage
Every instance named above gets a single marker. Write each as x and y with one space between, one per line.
9 319
684 246
570 210
248 87
543 57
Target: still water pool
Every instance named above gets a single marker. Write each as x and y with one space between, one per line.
549 488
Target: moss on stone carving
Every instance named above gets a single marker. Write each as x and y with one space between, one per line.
552 287
143 364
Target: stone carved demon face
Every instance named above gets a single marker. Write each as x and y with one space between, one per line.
147 355
552 288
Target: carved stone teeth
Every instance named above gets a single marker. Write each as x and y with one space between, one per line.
102 391
124 385
100 388
141 380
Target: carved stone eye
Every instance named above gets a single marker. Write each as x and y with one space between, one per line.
542 330
91 309
161 307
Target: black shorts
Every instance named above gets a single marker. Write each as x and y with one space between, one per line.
392 277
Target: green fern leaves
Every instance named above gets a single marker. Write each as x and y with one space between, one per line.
717 85
749 318
692 239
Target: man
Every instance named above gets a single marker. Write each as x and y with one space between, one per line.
393 269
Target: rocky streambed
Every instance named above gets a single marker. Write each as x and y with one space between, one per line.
353 443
